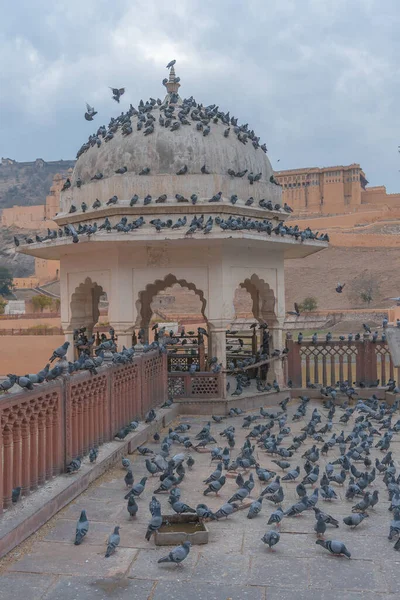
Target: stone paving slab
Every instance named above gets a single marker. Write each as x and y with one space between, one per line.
206 591
29 586
279 570
53 557
103 588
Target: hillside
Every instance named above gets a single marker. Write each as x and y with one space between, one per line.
28 183
318 275
20 265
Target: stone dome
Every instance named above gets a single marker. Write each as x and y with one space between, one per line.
166 151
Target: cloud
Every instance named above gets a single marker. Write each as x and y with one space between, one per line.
318 83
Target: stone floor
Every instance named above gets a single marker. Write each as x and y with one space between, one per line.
235 565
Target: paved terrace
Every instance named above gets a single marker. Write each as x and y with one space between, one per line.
235 565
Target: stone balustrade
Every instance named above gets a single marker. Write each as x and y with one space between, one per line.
44 429
325 363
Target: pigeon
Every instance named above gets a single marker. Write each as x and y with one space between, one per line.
354 520
203 512
132 506
154 523
183 170
334 547
137 489
271 538
74 465
129 478
171 64
15 494
327 518
121 170
126 463
113 542
320 526
276 517
117 93
177 555
82 527
60 352
93 454
215 486
255 508
181 508
226 510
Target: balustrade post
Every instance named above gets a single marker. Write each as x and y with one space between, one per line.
41 449
33 456
371 371
17 463
49 444
85 426
7 467
294 362
25 459
58 460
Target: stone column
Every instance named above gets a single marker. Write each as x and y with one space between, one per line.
217 345
277 343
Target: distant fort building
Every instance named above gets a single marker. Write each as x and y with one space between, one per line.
332 190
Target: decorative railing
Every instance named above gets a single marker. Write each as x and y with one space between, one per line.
200 385
325 363
43 430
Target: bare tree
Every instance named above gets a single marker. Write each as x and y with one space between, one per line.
364 288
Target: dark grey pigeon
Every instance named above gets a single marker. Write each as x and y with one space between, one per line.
226 510
356 519
271 538
255 508
82 527
177 555
320 526
113 542
155 522
334 547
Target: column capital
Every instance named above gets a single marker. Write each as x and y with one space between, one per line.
219 324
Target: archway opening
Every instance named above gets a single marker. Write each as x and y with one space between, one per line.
178 307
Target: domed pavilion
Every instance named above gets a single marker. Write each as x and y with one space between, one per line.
173 192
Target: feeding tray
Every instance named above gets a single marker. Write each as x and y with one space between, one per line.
176 529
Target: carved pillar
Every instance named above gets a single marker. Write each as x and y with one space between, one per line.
17 455
91 420
277 334
7 466
25 459
49 444
41 449
33 432
217 345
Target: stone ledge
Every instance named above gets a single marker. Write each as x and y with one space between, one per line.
20 521
216 406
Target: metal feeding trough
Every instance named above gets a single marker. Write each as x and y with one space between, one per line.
176 529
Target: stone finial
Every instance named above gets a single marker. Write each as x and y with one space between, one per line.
172 85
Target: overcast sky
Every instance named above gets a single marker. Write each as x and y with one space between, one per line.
318 80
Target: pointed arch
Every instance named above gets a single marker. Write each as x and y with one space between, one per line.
263 298
84 304
145 297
